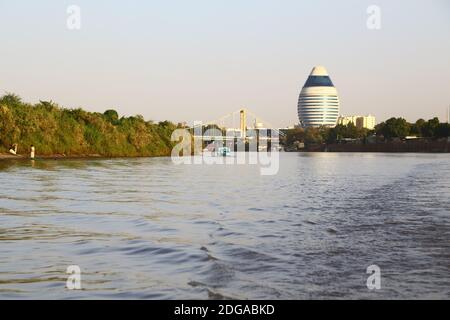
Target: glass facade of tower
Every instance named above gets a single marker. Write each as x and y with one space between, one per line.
318 81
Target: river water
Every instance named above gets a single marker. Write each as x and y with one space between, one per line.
146 228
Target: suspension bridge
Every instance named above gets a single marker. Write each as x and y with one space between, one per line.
241 124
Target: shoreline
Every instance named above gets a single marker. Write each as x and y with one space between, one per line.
383 147
7 157
10 157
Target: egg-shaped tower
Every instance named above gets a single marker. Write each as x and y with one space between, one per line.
318 104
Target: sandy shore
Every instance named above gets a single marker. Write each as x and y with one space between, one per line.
8 156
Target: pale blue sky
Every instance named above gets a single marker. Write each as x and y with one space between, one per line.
200 59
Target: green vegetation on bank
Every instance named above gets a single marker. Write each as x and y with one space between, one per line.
400 128
391 129
320 135
54 130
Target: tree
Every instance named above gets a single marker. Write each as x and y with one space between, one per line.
349 131
48 105
9 132
430 128
443 130
417 128
393 128
164 123
293 135
11 100
313 136
112 116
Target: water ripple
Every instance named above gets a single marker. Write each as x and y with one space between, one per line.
147 229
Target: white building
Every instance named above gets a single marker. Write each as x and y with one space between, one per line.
367 122
318 104
345 120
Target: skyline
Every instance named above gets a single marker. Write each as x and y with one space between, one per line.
186 62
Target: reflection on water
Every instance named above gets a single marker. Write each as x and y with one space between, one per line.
145 228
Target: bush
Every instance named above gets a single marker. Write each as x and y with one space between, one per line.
55 130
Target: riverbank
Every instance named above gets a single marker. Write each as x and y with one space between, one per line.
382 147
55 131
7 156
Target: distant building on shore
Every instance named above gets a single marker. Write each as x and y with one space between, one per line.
318 104
367 122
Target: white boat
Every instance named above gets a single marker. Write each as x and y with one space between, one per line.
223 152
